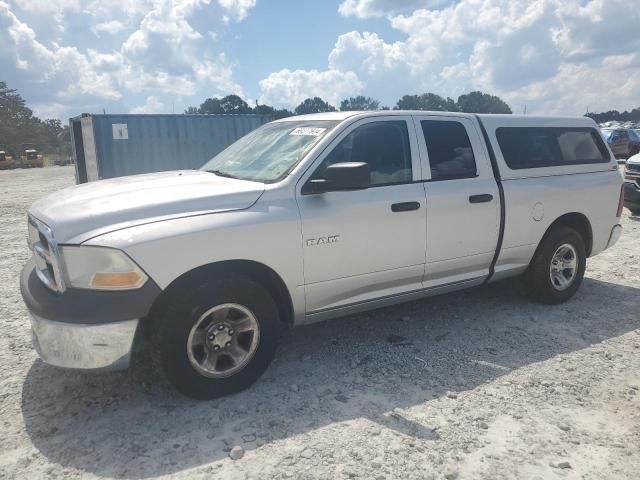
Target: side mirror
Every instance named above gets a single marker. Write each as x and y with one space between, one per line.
340 177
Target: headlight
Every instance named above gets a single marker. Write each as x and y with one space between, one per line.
99 268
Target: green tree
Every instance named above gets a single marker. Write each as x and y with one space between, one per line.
234 104
18 125
313 105
615 115
263 110
478 102
231 104
210 106
276 113
426 101
281 113
359 103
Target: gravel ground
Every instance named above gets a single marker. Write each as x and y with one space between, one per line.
479 384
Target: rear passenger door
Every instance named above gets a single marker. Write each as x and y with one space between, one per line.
462 199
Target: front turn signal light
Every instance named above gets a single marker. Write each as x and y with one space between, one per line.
117 281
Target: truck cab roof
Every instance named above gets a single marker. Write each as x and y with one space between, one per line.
528 120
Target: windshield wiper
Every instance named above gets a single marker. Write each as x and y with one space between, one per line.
220 173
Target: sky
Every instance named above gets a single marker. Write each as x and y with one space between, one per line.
67 57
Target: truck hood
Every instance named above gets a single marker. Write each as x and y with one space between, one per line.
635 159
78 213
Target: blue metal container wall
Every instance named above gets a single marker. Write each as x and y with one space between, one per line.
166 142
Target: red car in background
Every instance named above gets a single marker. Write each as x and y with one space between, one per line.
624 142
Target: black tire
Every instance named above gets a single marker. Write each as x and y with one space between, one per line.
170 332
537 277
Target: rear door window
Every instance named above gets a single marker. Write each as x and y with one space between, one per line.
449 148
538 147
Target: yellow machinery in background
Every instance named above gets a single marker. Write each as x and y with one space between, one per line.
6 159
30 157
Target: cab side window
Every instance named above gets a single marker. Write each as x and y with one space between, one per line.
449 148
383 145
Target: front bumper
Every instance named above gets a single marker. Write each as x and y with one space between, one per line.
84 329
82 346
631 196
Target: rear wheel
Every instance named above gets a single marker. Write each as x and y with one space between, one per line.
217 340
558 266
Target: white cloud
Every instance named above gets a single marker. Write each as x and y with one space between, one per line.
238 9
383 8
64 70
610 83
554 55
289 88
152 105
47 6
163 52
111 27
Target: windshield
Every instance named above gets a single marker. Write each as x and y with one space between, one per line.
270 152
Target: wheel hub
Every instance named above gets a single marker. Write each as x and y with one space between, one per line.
220 338
223 340
564 267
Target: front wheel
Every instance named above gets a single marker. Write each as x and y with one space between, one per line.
217 340
557 268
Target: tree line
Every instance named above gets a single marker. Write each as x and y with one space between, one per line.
615 115
18 125
474 102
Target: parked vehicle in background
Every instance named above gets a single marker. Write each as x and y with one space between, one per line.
624 142
6 160
309 218
632 184
30 158
63 161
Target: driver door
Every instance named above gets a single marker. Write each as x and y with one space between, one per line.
361 245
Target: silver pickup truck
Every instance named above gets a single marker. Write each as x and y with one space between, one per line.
310 218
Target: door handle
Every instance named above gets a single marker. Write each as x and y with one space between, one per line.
482 198
405 206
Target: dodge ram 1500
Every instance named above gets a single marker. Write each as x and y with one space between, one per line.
309 218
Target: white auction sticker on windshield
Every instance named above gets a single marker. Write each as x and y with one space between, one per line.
308 131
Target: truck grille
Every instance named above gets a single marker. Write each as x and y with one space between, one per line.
632 173
46 254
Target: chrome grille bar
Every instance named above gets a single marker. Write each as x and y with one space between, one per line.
46 254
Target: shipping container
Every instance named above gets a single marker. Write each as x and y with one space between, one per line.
108 146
